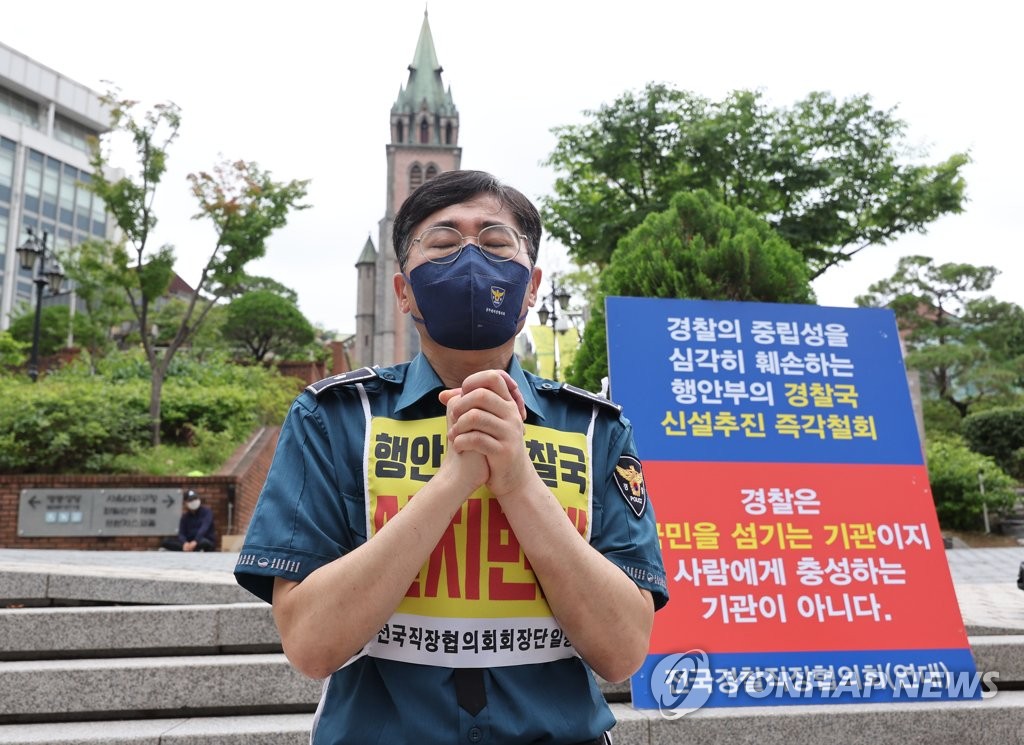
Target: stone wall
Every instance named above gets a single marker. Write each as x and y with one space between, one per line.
238 482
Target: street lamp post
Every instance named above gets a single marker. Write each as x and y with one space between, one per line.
49 275
557 299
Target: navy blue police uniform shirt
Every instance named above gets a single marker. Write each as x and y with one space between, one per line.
313 510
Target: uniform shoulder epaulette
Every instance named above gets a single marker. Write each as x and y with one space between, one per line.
593 398
355 376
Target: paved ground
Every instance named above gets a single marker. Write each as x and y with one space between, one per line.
984 578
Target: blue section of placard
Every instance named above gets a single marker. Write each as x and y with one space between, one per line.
693 680
706 380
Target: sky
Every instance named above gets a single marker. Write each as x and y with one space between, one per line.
305 89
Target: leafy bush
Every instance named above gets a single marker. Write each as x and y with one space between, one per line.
80 421
1000 434
62 426
12 351
953 470
940 417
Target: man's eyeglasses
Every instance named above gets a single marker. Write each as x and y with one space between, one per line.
443 245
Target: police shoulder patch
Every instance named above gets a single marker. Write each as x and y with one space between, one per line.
355 376
629 477
593 398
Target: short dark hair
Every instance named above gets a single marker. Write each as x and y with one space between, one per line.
454 187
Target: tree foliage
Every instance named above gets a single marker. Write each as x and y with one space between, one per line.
83 420
12 352
241 200
265 323
998 433
53 328
90 265
55 323
968 347
832 176
698 248
957 476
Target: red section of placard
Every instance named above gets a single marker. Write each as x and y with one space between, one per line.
767 557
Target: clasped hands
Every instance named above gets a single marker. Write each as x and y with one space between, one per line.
485 432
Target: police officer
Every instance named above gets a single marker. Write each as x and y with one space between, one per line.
454 542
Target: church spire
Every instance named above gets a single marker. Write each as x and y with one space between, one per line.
425 58
424 112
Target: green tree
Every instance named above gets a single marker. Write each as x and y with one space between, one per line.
242 201
89 265
833 177
53 328
956 474
698 248
998 433
968 347
264 322
252 283
13 353
55 322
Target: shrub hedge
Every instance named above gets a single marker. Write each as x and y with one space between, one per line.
86 419
953 470
1000 434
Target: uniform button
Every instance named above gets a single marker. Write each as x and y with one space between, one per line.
388 376
475 734
546 386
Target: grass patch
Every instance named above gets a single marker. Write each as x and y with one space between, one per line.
206 454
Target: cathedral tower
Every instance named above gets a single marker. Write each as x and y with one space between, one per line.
424 143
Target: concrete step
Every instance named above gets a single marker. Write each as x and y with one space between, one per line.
994 720
116 688
1001 654
221 684
123 631
270 729
46 584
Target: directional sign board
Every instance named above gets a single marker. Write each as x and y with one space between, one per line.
795 517
96 512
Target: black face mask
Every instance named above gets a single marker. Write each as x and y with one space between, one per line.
472 303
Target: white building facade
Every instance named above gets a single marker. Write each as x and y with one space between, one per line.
46 123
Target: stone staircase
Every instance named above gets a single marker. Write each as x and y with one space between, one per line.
186 658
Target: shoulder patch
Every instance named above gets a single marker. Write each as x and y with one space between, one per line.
593 398
629 477
355 376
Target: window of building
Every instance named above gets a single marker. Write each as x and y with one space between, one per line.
415 176
5 215
431 171
424 132
448 133
68 187
99 217
19 108
33 182
51 187
400 132
72 133
6 169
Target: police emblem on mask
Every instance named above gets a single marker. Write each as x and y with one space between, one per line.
629 477
497 296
